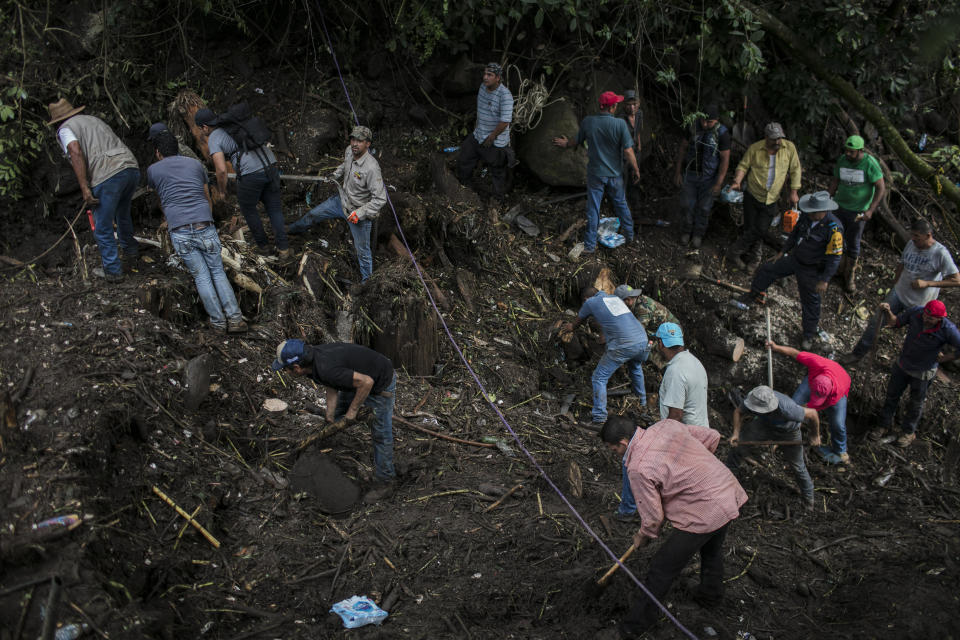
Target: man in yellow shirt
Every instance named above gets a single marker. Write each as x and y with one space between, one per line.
767 164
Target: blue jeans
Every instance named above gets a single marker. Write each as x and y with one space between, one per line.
698 201
852 231
115 194
260 186
758 429
382 429
200 251
332 209
596 187
899 381
633 356
870 333
836 414
628 505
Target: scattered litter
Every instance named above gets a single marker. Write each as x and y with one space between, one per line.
502 445
607 233
69 522
71 631
576 251
357 611
553 257
884 478
710 632
33 415
528 226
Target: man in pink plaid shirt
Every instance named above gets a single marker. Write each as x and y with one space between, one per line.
675 476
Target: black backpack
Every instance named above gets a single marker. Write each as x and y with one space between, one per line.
247 130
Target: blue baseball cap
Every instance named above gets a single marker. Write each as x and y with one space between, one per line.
289 353
670 334
156 129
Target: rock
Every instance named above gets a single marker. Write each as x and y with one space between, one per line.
447 185
196 381
320 129
319 476
553 165
464 76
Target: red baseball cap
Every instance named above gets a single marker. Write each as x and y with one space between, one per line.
820 389
608 98
936 309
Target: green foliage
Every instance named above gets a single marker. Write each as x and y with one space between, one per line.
19 142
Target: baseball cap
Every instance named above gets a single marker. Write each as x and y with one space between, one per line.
289 352
761 400
630 96
711 112
624 291
854 142
608 98
204 117
361 133
936 309
821 387
774 131
670 334
156 129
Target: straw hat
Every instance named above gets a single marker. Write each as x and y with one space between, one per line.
61 110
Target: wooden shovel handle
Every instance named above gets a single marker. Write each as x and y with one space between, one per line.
612 570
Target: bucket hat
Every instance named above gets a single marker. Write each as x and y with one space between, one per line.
761 400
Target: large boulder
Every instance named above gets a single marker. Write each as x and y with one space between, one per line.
320 129
463 77
553 165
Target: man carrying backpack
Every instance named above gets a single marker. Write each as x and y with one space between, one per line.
242 138
359 198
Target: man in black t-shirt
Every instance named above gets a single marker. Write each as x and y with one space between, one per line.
702 162
352 376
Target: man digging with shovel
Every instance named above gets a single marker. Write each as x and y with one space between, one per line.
352 376
675 476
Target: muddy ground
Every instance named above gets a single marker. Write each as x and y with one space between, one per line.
97 416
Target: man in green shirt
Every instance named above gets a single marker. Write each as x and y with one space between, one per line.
858 188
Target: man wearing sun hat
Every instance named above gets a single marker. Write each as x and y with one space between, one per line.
824 388
683 390
812 252
775 417
608 142
928 330
108 175
858 188
352 376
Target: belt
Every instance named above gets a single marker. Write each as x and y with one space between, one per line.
192 226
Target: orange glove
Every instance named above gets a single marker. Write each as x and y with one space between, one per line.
353 217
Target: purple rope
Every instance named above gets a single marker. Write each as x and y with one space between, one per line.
476 379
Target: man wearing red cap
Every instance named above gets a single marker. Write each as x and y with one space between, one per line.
928 330
825 388
608 142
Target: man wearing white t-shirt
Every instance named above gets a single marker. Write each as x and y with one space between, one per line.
683 391
926 266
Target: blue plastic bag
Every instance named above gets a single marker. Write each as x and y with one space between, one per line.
607 233
357 611
731 196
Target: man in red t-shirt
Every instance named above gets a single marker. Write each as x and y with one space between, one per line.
825 388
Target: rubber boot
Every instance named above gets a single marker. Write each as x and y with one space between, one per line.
849 274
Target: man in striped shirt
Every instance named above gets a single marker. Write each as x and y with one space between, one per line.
674 475
490 139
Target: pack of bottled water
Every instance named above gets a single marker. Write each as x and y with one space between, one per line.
357 611
607 233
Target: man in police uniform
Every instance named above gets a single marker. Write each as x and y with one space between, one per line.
812 253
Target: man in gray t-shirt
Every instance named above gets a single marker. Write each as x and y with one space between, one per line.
926 266
683 390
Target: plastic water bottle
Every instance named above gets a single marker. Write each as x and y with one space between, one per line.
662 223
739 305
451 149
71 631
923 142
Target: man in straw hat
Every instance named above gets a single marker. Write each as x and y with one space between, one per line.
812 253
776 417
108 175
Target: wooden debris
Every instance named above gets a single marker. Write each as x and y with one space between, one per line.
509 493
196 525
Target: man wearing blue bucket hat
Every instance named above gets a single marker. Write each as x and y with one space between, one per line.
352 376
683 391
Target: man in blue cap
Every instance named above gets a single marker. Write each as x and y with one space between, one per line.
812 253
683 390
626 344
352 376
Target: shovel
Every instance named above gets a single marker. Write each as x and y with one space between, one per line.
602 582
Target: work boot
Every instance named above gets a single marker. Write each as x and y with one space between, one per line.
806 343
906 440
697 241
285 254
379 491
849 274
236 325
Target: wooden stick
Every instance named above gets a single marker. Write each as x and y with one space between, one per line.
502 498
769 353
326 432
407 423
612 570
196 525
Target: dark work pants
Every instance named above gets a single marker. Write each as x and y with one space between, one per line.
807 278
852 231
899 381
667 564
471 152
260 186
756 221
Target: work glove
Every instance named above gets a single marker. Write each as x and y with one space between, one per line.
353 217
